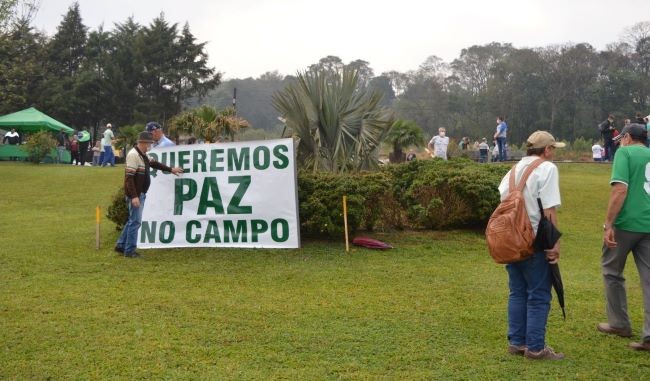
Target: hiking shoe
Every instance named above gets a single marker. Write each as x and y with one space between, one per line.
644 346
516 349
545 354
608 329
118 249
134 254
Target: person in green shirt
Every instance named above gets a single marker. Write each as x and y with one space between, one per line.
627 229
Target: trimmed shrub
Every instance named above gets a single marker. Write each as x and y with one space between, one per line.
38 145
118 212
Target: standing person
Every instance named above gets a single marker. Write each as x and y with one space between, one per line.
607 130
83 138
500 137
597 152
136 184
627 228
529 302
96 154
108 146
438 144
74 150
159 138
101 151
639 119
483 150
13 138
61 143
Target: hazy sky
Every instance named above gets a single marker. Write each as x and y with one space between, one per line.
249 37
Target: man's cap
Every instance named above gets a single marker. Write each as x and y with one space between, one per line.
109 125
637 132
151 126
542 139
145 137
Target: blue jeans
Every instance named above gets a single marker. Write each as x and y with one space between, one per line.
610 149
529 302
129 238
501 142
60 151
108 156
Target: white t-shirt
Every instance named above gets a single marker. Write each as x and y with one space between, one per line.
597 151
544 183
440 144
108 137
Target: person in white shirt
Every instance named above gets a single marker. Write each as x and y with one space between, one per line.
529 300
597 152
438 144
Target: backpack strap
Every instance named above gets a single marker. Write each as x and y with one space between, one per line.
524 177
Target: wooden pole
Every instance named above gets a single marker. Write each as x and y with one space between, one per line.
345 222
97 219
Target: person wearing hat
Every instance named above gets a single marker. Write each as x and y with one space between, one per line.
159 138
627 228
136 184
109 158
529 300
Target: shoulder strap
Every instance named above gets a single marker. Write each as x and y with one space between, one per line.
524 177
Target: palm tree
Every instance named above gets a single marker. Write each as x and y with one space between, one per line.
207 123
404 133
339 126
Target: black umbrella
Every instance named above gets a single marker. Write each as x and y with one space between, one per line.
547 237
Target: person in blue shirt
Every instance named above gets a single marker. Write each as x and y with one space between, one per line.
159 138
500 137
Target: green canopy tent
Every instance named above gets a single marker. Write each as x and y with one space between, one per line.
32 120
28 120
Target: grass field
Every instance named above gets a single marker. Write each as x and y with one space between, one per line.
432 308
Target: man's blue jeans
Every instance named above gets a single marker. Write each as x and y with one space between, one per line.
501 143
108 156
129 238
529 302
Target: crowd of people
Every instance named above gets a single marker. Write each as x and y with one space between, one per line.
439 144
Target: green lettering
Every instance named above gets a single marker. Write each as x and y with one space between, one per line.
184 160
169 236
152 171
188 232
172 159
180 197
257 227
199 160
148 232
229 231
210 187
233 206
237 162
212 232
261 158
282 161
284 225
215 157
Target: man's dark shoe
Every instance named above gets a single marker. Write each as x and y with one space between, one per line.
545 354
516 349
118 249
645 346
134 254
608 329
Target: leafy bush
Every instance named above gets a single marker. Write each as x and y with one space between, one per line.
118 212
38 145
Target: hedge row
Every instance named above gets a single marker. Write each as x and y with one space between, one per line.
426 194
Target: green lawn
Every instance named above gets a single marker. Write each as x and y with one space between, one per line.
432 308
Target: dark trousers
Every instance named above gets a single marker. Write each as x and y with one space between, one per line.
83 150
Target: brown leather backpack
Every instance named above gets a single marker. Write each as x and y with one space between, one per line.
509 234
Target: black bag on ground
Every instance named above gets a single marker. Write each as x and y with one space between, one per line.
547 234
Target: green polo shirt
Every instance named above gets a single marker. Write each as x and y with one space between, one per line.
632 168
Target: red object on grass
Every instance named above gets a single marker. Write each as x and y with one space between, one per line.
371 243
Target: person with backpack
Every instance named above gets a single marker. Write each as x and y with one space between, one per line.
529 302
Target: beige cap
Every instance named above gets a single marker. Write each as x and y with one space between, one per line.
542 139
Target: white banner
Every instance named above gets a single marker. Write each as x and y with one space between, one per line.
239 194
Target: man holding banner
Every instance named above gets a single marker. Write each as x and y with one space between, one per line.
137 180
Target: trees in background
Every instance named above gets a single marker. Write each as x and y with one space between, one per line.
85 77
